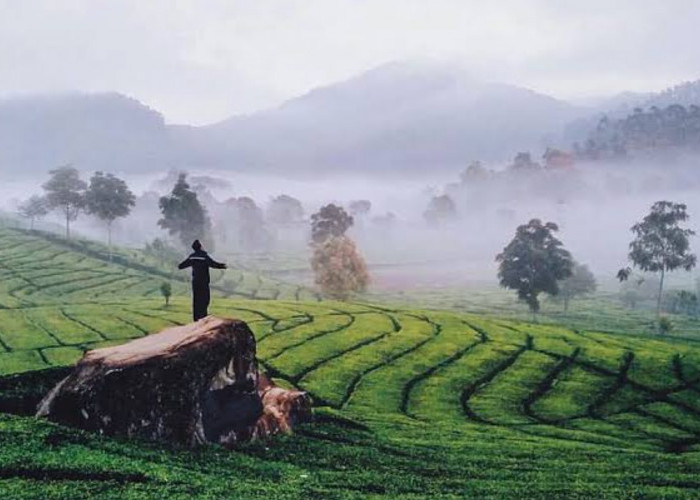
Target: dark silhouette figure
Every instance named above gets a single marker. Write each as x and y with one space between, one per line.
200 262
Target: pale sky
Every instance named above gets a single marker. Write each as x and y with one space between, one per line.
200 61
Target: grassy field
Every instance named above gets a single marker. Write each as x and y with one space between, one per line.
602 311
410 402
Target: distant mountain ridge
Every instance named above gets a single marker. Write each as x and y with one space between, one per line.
685 94
395 118
96 131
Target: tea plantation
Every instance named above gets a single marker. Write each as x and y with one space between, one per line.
409 403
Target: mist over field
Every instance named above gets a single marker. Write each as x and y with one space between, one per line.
594 206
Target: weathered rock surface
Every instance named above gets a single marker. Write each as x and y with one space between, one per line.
190 384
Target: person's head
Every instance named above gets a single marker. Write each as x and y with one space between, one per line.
196 245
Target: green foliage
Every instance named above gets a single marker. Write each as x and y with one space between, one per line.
183 214
674 126
108 198
462 404
665 325
331 220
534 262
661 244
166 290
65 191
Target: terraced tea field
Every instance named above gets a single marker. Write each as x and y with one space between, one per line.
411 403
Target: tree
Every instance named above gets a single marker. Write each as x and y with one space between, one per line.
108 198
249 224
581 282
65 191
534 262
665 325
360 207
661 244
681 302
557 159
638 289
440 209
523 163
183 215
33 209
166 290
330 220
339 268
166 255
474 173
284 209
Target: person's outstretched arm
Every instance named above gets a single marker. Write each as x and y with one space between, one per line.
185 263
214 264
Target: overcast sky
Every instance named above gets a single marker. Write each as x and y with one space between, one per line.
199 61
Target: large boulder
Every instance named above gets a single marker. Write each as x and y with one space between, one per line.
189 384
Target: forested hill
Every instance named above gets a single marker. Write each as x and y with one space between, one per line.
674 127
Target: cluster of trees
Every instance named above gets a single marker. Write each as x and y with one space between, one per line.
674 126
109 198
523 162
536 262
338 267
105 196
525 177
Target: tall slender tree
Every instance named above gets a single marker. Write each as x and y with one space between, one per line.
65 191
108 198
661 244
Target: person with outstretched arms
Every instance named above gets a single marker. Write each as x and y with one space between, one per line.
200 262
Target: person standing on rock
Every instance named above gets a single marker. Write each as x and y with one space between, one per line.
200 262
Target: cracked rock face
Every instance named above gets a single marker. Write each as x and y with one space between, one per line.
190 385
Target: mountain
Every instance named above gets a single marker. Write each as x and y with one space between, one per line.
396 117
106 131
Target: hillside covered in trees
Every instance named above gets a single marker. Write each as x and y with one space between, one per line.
672 128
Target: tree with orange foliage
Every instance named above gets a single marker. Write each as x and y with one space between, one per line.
339 268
